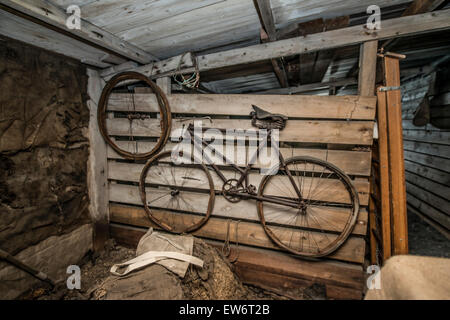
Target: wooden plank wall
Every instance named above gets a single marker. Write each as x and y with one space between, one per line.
338 129
427 154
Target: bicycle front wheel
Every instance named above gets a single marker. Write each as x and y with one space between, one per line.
319 220
177 197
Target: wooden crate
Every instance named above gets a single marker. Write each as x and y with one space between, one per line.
338 129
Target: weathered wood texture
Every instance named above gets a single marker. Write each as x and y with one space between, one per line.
97 166
330 114
17 28
398 27
367 68
396 158
427 152
385 198
55 16
277 270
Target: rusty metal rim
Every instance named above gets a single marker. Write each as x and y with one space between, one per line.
164 110
160 223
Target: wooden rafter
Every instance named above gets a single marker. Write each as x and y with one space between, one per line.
398 27
268 25
417 7
310 87
54 16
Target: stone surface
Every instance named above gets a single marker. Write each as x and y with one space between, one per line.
51 256
43 145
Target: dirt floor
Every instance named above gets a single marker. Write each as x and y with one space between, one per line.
424 240
214 281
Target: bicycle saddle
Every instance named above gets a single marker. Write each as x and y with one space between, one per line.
266 120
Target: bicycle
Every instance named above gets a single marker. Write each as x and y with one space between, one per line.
289 202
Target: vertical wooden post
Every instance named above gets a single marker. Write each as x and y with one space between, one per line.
366 87
384 175
97 166
165 84
367 68
396 160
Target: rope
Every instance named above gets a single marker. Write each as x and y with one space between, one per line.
226 248
191 82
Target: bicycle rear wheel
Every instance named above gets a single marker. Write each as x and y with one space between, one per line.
123 120
177 197
317 223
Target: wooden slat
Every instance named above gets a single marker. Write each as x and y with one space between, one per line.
429 173
439 137
276 271
249 233
336 192
396 165
351 162
384 176
427 184
424 194
429 211
314 107
245 209
439 150
445 232
429 161
312 131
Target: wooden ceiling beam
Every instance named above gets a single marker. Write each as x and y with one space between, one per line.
421 6
417 7
88 33
268 25
392 28
310 87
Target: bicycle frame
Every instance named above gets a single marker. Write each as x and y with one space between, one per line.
243 179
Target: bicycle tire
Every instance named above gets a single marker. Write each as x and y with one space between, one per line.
164 110
162 224
349 225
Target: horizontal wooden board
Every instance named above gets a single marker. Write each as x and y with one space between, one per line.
438 137
445 232
335 190
429 185
429 173
429 211
299 106
248 233
408 125
273 270
351 162
428 148
312 131
326 218
430 161
424 194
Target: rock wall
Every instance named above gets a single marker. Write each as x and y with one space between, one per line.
43 145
